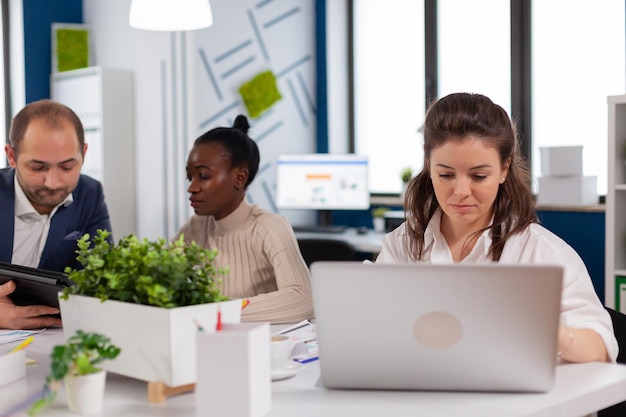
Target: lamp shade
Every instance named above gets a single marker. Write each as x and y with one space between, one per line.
170 15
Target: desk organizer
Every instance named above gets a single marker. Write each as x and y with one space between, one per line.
234 371
12 367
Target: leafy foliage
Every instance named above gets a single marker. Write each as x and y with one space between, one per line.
154 273
77 357
406 174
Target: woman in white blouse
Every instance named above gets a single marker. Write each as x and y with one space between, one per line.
472 203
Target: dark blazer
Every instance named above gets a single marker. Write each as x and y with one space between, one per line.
86 214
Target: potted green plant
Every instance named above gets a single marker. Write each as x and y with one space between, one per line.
148 296
406 174
75 363
378 218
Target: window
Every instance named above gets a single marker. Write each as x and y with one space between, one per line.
578 58
575 66
388 88
474 49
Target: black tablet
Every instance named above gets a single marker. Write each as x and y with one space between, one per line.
33 285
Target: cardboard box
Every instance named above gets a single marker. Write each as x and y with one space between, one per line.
158 344
561 161
568 191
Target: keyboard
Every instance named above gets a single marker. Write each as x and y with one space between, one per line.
320 229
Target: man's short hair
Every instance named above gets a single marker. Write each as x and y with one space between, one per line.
52 112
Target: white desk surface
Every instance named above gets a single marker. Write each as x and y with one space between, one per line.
370 242
580 390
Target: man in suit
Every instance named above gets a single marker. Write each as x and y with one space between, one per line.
46 205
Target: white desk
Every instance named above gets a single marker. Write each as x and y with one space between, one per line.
580 390
370 242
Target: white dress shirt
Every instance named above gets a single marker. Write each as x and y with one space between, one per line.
31 229
580 305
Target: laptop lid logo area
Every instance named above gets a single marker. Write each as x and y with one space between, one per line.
437 330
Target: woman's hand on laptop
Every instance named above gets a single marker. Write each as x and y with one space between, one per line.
24 317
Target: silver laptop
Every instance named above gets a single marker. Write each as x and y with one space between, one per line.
437 327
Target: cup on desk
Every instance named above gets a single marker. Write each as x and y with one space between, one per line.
280 350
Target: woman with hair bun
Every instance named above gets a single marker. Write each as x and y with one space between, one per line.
258 247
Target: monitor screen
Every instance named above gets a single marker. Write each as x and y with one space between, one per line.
322 182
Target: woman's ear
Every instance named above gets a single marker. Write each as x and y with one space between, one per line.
505 167
241 177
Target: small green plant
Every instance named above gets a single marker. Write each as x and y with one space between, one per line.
406 174
380 211
154 273
79 356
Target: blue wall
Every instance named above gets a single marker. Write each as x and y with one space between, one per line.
585 232
38 18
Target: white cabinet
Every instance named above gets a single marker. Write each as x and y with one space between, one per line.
615 281
103 100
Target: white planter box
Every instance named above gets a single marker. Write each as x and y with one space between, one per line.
158 344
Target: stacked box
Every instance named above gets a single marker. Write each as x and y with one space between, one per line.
562 182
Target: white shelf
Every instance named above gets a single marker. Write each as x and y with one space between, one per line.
615 248
103 100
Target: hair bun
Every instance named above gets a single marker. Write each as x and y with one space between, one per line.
241 123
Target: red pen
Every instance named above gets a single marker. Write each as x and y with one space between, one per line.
218 326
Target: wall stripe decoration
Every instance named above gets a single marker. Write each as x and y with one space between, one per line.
259 38
221 113
209 72
293 66
260 136
238 67
305 92
233 50
292 90
175 138
164 130
269 194
281 17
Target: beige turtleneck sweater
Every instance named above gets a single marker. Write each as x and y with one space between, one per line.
265 263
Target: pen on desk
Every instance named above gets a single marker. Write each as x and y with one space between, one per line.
198 325
310 341
307 360
244 303
22 345
307 323
218 326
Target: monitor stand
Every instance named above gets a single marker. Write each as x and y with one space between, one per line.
325 225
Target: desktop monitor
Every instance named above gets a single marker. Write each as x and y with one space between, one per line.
322 182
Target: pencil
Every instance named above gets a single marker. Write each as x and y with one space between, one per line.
22 345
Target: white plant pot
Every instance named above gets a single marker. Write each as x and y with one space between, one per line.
157 344
379 224
85 393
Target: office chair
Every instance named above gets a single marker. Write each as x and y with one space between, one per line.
619 328
326 250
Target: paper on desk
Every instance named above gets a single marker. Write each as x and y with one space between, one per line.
304 343
8 336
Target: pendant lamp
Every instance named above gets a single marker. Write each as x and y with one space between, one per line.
170 15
